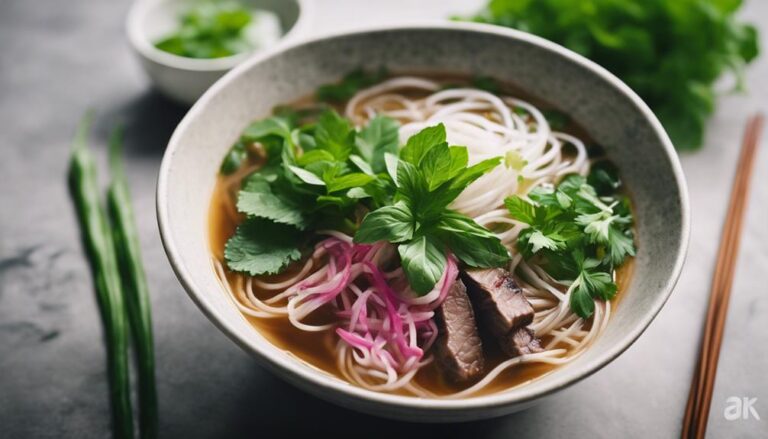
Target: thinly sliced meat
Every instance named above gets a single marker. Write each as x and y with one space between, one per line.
520 342
459 349
500 303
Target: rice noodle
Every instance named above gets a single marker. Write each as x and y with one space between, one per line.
385 331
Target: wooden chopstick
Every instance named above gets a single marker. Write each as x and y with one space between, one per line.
700 395
725 254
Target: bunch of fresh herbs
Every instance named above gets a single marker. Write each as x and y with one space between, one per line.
669 52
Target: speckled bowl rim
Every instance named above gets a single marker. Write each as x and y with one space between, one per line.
296 372
137 38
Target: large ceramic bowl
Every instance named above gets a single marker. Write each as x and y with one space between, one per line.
612 114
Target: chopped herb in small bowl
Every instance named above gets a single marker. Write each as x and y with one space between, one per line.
219 29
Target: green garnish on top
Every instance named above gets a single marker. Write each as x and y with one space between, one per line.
670 52
579 232
210 30
428 176
327 175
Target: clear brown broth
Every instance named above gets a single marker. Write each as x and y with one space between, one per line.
317 348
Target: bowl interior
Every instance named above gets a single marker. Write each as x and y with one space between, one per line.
612 115
159 18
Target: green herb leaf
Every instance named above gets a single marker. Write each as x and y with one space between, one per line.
475 245
306 176
261 246
362 164
390 223
314 156
335 135
421 142
271 126
580 299
379 137
234 159
348 181
520 209
472 173
436 165
257 200
423 262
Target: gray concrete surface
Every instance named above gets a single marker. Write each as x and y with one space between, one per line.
58 58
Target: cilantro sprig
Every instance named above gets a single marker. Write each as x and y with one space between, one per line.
579 232
428 176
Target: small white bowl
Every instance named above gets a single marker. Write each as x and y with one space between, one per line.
185 79
613 115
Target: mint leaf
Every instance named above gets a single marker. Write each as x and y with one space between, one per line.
392 162
314 156
475 245
472 173
306 176
423 262
272 126
348 181
379 137
335 135
261 246
421 142
362 164
459 160
436 165
390 223
412 184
